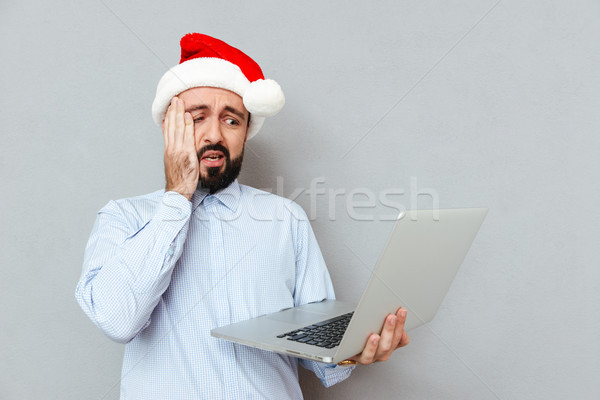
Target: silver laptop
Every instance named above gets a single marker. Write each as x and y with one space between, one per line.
415 270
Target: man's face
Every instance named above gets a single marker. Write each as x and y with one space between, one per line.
220 129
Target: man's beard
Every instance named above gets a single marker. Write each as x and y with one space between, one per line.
217 180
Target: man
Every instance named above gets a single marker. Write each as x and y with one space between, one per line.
162 270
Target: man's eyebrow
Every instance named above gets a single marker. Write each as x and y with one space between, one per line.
227 108
236 112
197 107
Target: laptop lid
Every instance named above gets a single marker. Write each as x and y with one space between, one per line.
415 271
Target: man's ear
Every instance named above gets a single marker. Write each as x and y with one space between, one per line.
247 127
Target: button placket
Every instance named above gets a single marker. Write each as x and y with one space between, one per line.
217 259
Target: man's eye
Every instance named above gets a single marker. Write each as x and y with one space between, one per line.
231 121
198 119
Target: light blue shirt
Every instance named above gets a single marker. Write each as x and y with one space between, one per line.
161 271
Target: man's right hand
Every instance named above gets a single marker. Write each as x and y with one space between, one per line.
182 169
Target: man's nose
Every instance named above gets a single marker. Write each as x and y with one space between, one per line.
213 134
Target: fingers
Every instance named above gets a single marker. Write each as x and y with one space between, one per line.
404 341
165 128
381 347
179 122
369 352
400 336
188 135
176 125
169 124
390 337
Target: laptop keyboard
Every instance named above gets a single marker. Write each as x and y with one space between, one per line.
326 333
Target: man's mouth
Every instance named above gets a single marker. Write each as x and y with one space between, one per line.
213 158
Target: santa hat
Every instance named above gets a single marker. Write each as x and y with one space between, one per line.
207 61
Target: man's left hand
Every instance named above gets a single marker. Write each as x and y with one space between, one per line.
381 347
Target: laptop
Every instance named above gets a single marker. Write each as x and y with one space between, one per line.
415 271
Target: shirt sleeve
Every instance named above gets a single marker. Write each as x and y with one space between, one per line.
127 268
313 283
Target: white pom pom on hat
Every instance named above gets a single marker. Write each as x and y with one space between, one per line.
264 97
207 61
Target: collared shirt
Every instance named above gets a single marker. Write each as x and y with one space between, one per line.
161 271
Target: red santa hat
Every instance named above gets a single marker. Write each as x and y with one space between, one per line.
207 61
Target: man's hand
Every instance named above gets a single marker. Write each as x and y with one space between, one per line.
182 169
380 347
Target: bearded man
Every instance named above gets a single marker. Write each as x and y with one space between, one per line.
161 270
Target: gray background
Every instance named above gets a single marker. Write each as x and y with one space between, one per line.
480 103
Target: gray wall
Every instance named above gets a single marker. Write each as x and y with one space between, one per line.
470 103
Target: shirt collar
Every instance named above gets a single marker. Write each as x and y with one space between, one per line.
230 196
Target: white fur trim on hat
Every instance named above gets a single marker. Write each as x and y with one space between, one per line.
262 98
